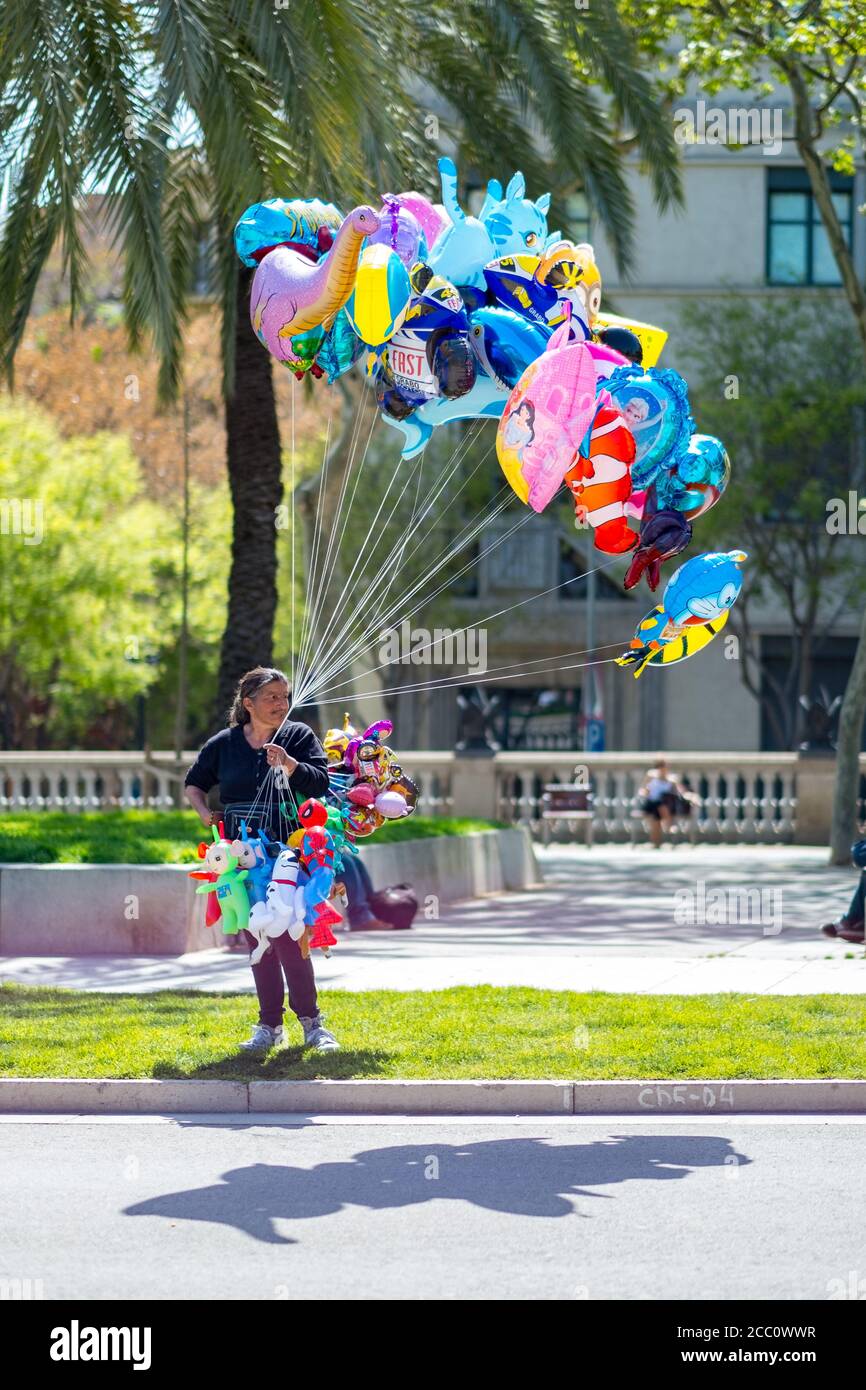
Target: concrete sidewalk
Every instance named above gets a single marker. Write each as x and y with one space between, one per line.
612 918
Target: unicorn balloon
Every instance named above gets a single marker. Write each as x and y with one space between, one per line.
503 227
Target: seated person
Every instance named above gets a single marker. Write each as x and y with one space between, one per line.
664 799
850 927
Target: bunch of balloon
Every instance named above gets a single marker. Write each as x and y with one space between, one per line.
366 778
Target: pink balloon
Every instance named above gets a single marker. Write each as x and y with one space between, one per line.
362 795
554 401
606 359
391 805
433 222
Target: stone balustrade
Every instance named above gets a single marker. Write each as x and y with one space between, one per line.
64 781
761 798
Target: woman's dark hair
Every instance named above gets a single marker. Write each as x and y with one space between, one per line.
249 686
530 408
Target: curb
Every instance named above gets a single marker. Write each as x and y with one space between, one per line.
507 1098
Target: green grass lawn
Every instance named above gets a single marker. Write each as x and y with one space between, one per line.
467 1032
154 837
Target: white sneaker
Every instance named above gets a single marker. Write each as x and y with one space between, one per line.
317 1035
264 1038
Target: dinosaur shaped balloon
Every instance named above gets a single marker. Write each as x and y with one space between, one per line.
293 294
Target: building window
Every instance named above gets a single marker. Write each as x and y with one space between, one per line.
798 251
537 720
577 210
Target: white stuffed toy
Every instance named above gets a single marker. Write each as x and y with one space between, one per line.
283 908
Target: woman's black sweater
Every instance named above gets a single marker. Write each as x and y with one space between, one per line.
228 759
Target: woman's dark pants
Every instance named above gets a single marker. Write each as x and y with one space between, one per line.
283 956
855 911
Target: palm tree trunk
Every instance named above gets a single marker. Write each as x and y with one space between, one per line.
255 479
844 830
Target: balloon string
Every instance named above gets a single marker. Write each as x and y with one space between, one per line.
330 645
489 617
493 670
449 683
368 637
312 614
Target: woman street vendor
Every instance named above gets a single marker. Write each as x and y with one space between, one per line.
259 737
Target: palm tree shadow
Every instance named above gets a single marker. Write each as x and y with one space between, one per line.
521 1176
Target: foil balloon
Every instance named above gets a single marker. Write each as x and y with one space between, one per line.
340 348
571 271
302 223
545 419
292 294
399 782
336 741
379 302
655 406
400 230
429 355
625 343
671 650
513 282
600 479
698 595
697 479
663 534
651 339
504 226
505 343
432 219
391 805
302 351
484 400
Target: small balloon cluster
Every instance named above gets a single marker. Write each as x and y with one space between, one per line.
366 778
268 888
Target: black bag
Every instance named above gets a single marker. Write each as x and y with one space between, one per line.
397 905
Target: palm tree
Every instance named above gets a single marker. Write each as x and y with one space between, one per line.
184 113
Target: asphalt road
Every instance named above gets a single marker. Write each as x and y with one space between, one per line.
536 1208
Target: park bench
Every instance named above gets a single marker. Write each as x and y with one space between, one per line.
565 803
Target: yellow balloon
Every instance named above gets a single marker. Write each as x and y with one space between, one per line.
572 270
652 339
381 296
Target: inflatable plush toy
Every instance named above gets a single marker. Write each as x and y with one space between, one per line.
228 885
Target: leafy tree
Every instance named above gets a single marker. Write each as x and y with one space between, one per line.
78 552
816 51
89 606
791 433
